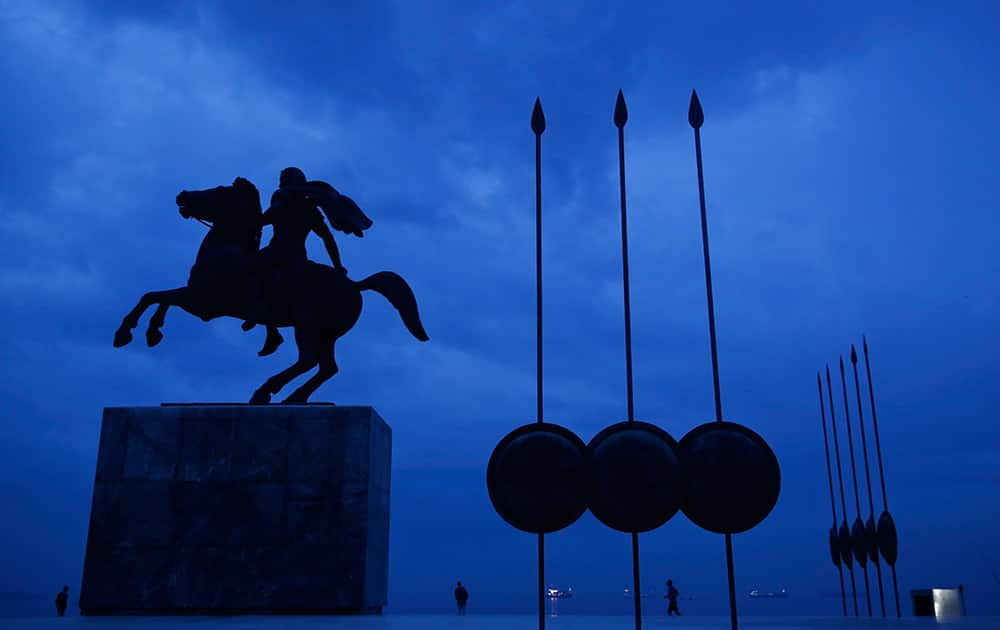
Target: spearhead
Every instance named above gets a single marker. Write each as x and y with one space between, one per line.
538 118
695 116
828 371
864 344
854 355
621 112
841 365
819 381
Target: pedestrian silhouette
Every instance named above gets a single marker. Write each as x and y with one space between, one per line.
61 599
461 597
671 596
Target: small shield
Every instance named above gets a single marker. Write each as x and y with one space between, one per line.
887 542
845 544
858 545
871 540
834 546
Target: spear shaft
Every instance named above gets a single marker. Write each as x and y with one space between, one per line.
538 126
829 478
696 118
538 129
620 118
878 444
868 477
878 453
840 479
708 280
854 476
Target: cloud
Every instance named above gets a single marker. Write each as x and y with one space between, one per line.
160 106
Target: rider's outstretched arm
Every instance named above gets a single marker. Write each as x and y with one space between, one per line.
324 233
267 217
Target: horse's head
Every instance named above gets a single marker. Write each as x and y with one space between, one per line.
234 209
200 204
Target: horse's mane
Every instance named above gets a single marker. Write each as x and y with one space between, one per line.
245 184
247 188
242 211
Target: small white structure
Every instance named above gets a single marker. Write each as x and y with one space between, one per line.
942 603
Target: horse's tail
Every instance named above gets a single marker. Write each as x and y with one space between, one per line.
393 288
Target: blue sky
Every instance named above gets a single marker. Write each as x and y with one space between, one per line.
850 160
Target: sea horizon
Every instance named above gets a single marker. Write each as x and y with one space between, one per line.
441 621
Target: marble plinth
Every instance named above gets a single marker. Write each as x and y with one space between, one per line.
239 509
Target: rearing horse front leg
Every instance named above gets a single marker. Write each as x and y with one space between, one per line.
123 336
153 333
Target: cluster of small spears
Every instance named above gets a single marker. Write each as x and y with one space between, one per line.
862 541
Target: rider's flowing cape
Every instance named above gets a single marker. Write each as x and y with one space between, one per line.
343 214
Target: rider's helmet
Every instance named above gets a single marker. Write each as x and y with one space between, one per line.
291 176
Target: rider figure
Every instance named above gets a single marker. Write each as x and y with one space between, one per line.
293 214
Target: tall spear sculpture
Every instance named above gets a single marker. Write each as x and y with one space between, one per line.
886 526
540 475
696 118
871 545
620 118
538 126
858 530
834 547
844 535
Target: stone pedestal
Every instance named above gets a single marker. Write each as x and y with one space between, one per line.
239 509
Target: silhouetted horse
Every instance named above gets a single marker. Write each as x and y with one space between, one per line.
320 303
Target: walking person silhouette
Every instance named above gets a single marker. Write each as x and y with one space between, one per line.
671 596
61 600
461 597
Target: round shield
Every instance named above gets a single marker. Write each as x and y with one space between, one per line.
871 539
844 538
731 478
637 477
858 544
834 546
887 542
538 477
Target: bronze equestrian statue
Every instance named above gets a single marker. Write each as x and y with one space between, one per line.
277 286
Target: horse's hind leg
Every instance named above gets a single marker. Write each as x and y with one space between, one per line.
123 335
271 342
327 368
307 342
153 333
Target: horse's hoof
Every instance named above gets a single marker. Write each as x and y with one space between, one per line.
268 350
123 337
153 337
260 397
294 400
271 344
